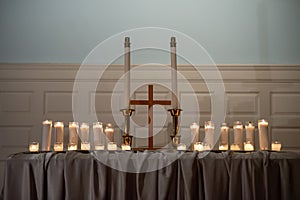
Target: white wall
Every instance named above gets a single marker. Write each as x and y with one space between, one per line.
233 31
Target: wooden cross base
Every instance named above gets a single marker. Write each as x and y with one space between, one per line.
150 102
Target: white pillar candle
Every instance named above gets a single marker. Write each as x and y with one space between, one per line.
235 147
181 147
209 129
238 134
194 132
46 135
34 147
276 146
99 147
85 136
248 146
109 132
59 132
98 132
72 147
85 146
206 147
174 73
73 133
58 146
223 147
126 147
127 72
112 146
224 131
250 132
198 146
263 134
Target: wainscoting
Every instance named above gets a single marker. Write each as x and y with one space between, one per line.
31 93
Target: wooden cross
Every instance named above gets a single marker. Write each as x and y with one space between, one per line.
150 102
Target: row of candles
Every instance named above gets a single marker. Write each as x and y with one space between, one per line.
74 131
238 142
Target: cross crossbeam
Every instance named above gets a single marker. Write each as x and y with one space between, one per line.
150 103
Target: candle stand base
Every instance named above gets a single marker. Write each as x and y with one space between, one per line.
127 138
175 138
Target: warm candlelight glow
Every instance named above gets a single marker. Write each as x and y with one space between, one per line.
238 134
181 147
85 146
276 146
235 147
198 146
99 147
112 146
263 134
248 146
72 147
34 147
194 127
209 128
46 135
126 147
224 133
223 147
58 146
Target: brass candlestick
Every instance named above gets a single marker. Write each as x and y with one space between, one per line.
175 137
127 138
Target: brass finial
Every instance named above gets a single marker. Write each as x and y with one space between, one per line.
127 42
173 42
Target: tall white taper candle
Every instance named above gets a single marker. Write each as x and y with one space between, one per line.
127 72
174 73
263 134
46 135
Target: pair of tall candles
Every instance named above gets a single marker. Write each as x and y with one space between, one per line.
127 73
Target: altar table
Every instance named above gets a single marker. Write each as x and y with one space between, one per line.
132 175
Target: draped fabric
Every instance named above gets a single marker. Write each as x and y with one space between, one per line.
152 175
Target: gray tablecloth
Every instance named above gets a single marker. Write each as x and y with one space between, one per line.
128 175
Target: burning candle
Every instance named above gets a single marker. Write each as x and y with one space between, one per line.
250 132
99 147
198 146
109 132
73 133
263 134
223 144
59 132
181 147
235 147
209 129
126 147
85 136
34 147
72 147
276 146
112 146
46 135
127 72
98 132
58 146
174 73
248 146
206 147
238 134
194 132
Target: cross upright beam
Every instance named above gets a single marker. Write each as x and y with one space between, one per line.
150 103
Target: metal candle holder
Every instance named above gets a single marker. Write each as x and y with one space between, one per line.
127 138
175 138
